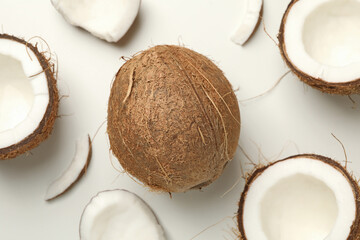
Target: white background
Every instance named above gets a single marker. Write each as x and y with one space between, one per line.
293 118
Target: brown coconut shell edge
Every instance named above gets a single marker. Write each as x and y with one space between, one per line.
45 127
344 88
355 228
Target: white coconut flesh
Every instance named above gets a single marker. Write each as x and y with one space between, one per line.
74 171
322 39
248 23
24 93
108 20
119 215
299 199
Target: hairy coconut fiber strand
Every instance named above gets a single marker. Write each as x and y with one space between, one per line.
46 122
173 119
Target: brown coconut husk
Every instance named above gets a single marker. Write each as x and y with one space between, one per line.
46 125
173 119
355 228
345 88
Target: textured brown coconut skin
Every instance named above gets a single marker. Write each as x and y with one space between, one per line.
355 228
346 88
169 110
46 125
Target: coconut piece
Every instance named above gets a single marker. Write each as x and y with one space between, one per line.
173 119
119 215
249 23
319 42
108 20
74 172
301 197
28 96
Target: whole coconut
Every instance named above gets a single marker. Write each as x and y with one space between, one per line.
173 119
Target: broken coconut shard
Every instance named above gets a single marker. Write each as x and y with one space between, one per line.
28 96
319 41
300 197
74 172
249 23
119 214
108 20
173 119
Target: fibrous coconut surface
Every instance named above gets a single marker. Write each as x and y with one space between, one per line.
173 119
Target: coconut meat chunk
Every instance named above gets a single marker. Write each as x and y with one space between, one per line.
108 20
75 170
322 39
24 94
249 22
119 215
299 199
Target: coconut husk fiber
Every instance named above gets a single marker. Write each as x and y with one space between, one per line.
173 119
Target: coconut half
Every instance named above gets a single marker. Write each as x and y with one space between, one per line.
319 41
301 197
74 172
28 96
108 20
119 215
249 23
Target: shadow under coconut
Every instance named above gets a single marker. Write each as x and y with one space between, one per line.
299 89
343 102
132 32
125 40
35 160
207 203
302 97
338 104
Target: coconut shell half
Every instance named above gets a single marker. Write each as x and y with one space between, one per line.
28 54
307 196
173 119
307 45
